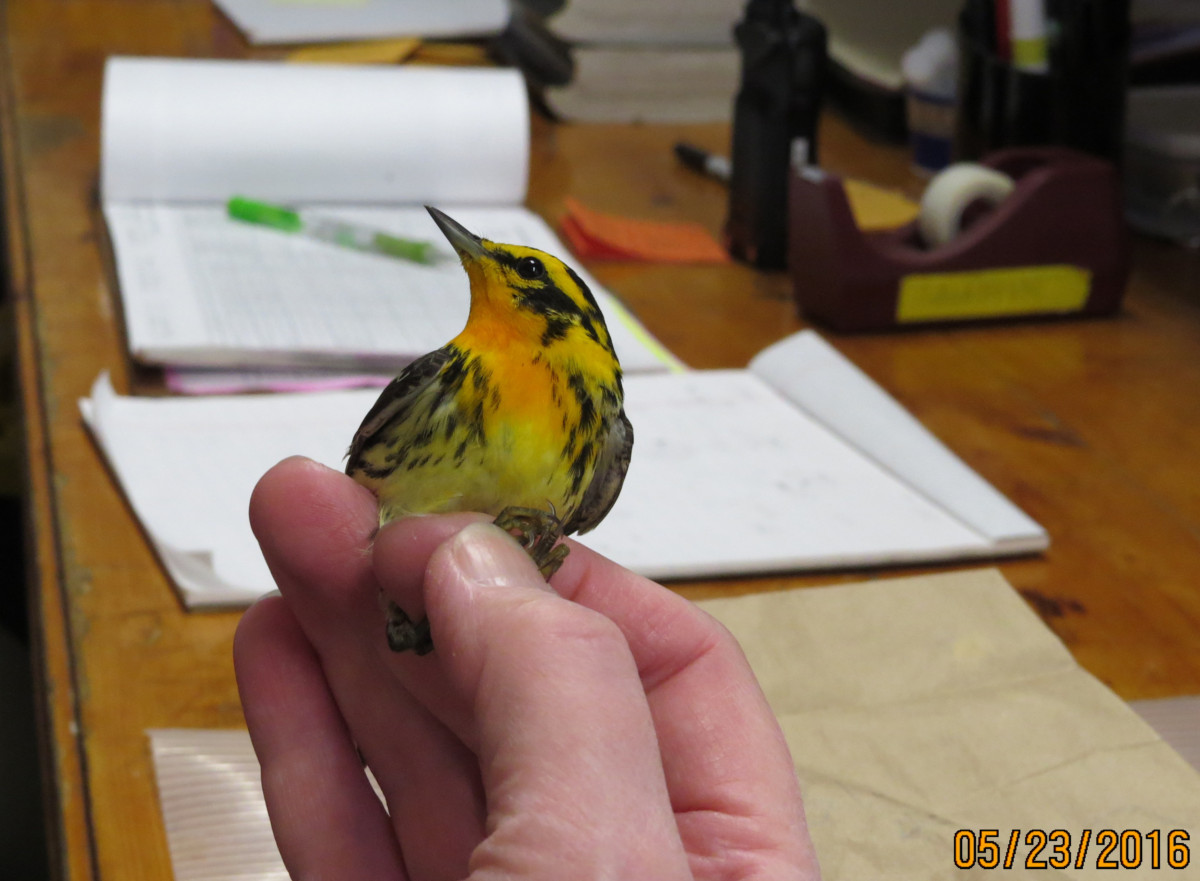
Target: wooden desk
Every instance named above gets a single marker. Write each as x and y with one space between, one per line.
1092 427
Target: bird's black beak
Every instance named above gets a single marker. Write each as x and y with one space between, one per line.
468 245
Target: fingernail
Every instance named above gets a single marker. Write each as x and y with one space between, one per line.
265 596
489 558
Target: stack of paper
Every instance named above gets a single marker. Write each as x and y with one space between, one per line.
369 145
635 61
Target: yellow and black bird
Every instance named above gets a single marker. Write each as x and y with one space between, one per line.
520 416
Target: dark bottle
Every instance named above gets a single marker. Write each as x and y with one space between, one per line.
783 69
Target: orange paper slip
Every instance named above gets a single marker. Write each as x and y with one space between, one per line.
593 234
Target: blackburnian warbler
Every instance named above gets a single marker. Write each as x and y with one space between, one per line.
520 416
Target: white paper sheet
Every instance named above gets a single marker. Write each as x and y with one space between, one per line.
729 478
835 392
294 21
188 467
205 130
210 790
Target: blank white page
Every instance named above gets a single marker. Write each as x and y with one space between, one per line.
204 130
811 372
305 21
188 466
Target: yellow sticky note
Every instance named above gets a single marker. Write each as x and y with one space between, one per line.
366 52
992 293
876 208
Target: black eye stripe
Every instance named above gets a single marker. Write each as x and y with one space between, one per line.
548 300
583 289
518 263
544 297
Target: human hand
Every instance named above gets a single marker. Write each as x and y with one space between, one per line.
603 729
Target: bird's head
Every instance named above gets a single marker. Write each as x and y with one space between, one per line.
525 292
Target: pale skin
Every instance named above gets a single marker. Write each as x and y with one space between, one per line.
601 728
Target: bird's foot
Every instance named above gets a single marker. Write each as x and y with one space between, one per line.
403 634
538 533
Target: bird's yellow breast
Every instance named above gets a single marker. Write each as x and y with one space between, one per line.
527 432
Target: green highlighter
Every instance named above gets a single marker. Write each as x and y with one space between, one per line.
328 229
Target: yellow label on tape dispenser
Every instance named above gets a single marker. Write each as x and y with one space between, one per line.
992 293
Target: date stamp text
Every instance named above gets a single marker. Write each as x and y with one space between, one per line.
1063 849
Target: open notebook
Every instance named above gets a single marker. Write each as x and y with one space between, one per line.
366 144
797 462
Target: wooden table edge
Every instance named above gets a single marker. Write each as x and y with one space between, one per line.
60 733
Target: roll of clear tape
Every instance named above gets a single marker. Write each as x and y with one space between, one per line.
951 191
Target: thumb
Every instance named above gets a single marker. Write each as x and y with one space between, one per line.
558 718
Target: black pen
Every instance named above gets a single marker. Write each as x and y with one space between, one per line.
704 162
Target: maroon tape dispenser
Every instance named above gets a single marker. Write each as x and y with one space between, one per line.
1055 245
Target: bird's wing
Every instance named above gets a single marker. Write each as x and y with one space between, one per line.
607 479
396 398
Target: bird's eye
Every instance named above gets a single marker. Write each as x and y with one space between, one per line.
530 268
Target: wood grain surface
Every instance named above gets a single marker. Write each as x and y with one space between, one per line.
1093 427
